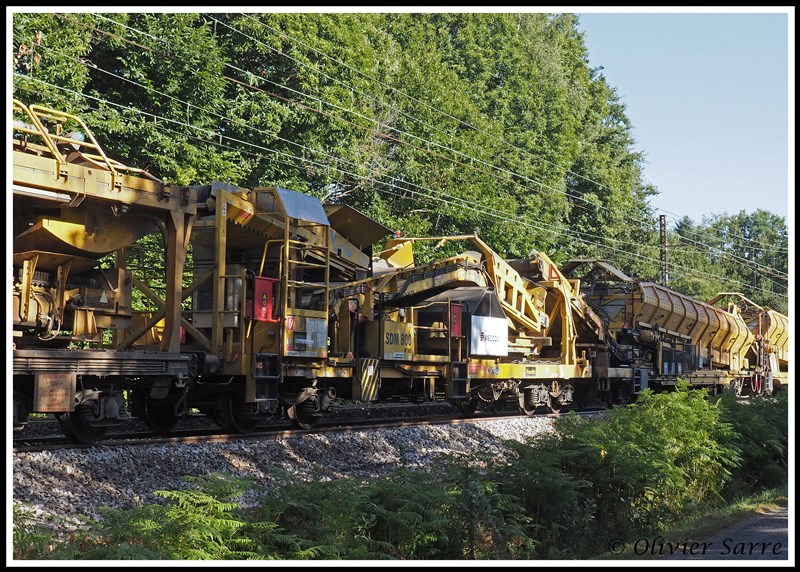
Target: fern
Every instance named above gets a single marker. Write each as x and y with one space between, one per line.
636 471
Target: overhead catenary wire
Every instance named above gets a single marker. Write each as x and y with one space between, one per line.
302 94
165 42
415 100
483 211
578 234
393 188
562 226
327 56
739 240
189 104
767 269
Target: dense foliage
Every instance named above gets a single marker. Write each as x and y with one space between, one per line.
631 474
761 427
744 252
442 123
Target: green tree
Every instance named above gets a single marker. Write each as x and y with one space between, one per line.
49 55
745 253
434 124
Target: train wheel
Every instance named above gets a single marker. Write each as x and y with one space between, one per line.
302 415
498 406
236 415
554 405
468 406
78 430
160 417
553 401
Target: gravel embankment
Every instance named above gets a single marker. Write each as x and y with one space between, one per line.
58 486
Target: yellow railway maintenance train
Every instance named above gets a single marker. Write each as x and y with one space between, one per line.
268 301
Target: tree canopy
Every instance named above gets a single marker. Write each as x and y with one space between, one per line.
433 124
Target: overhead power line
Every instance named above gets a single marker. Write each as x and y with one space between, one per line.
570 193
395 188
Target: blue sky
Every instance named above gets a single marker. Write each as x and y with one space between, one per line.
708 97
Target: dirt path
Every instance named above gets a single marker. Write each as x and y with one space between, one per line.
760 537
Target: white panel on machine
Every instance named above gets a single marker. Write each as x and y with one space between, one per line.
489 336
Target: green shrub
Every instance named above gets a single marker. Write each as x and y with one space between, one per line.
320 520
558 505
451 512
637 468
197 524
762 428
30 541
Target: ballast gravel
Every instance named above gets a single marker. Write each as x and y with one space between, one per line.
57 487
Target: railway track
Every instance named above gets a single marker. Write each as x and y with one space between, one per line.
274 431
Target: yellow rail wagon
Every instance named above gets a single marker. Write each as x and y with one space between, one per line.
242 334
659 336
263 300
